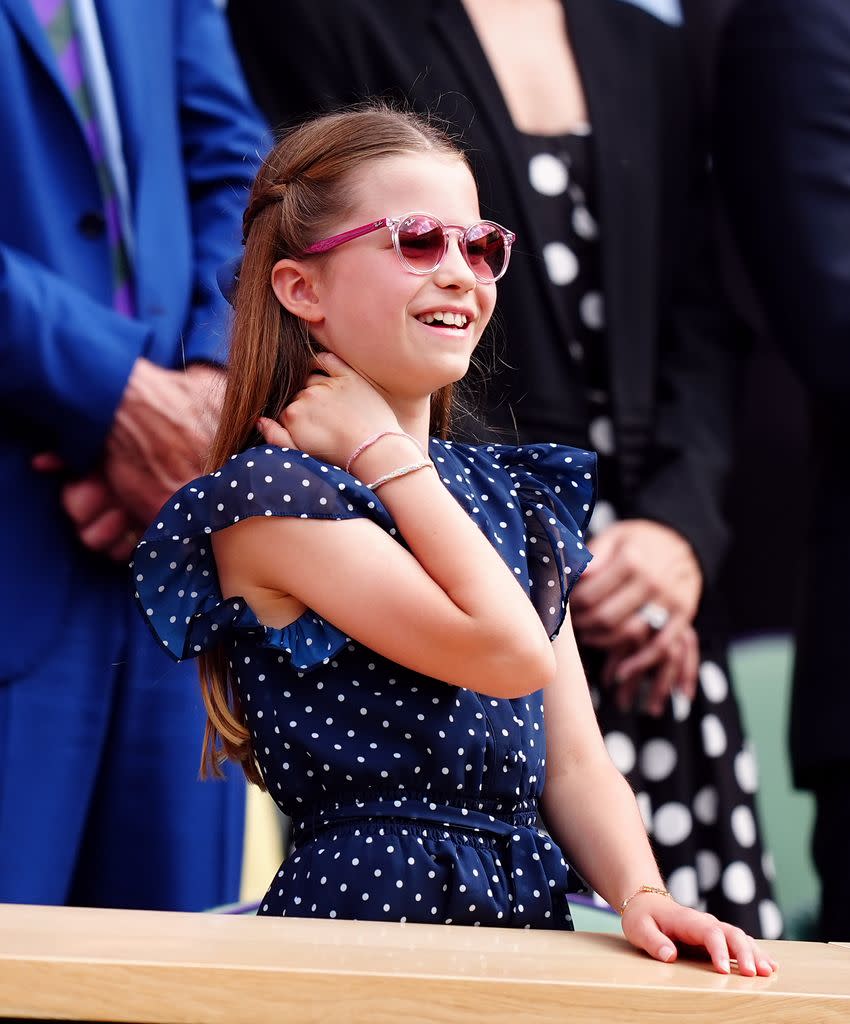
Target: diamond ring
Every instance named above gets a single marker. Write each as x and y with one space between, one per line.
655 615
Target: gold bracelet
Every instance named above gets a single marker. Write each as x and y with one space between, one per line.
644 888
396 473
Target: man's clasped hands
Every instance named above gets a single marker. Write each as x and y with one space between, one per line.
158 442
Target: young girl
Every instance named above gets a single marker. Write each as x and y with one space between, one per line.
382 615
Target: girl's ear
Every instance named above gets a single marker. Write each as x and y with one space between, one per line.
293 284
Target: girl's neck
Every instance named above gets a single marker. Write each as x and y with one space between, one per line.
414 417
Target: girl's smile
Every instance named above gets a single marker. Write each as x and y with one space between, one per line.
449 319
409 333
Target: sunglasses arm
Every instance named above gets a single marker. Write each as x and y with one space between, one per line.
326 244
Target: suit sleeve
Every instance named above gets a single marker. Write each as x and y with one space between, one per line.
223 140
783 131
69 351
701 347
64 357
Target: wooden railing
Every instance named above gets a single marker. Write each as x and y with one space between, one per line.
79 964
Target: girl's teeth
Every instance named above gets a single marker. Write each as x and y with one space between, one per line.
448 318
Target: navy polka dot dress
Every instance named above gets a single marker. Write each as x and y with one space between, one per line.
411 799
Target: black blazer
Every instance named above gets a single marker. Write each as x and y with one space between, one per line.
672 350
783 137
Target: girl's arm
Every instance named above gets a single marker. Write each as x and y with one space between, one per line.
591 812
449 607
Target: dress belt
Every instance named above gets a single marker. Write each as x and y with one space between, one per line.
530 854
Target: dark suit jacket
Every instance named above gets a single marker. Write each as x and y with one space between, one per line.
669 341
783 131
65 354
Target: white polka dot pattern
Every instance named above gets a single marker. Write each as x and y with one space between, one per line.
713 681
738 883
561 264
548 174
621 750
658 759
357 749
671 824
682 884
692 760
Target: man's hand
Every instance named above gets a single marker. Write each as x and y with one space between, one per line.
101 523
161 434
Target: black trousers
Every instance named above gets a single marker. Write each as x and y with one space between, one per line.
831 853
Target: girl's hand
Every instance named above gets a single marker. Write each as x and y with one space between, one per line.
274 433
335 411
654 923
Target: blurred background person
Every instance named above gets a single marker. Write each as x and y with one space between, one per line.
578 119
783 154
127 128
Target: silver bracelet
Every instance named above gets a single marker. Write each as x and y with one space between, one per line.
396 473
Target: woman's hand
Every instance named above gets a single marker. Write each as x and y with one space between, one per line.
334 412
639 563
654 923
649 673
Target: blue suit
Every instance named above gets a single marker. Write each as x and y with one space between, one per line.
100 733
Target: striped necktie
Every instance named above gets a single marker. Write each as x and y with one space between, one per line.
56 18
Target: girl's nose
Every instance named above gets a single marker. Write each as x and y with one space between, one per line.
454 271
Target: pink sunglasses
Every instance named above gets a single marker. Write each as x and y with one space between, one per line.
421 243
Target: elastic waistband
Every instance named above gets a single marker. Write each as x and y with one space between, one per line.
492 817
527 851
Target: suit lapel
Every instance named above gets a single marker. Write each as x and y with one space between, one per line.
617 76
35 38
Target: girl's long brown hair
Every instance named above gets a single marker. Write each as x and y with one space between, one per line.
302 189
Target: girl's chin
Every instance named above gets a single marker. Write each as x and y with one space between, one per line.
451 375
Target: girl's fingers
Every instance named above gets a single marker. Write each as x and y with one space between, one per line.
659 927
712 939
741 948
751 959
645 934
721 941
274 433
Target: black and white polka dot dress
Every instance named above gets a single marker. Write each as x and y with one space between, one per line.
693 772
411 799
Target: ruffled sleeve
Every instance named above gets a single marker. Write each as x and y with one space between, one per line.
174 571
556 490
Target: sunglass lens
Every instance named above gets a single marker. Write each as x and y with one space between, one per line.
422 242
485 251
